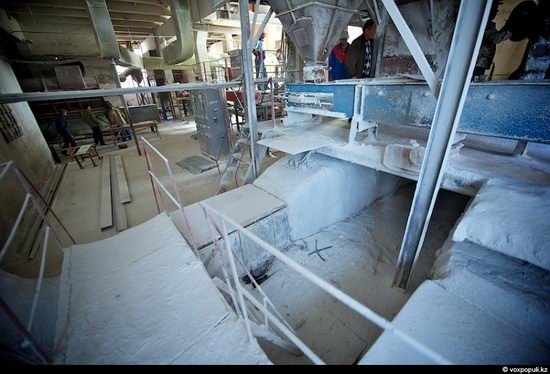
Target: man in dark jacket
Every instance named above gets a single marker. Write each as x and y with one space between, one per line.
361 55
62 127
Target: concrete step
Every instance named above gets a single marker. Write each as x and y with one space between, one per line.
510 219
458 330
104 318
245 205
512 290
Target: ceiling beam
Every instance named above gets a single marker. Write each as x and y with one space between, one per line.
216 28
121 6
131 34
159 20
112 5
132 23
17 9
132 30
27 19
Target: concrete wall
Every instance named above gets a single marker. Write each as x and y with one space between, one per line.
29 151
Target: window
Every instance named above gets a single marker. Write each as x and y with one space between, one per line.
8 125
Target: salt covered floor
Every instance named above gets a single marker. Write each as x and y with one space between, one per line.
361 263
142 297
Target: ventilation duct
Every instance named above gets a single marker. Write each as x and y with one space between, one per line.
182 48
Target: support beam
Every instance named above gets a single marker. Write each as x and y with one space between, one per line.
413 46
130 122
254 19
467 37
246 62
9 98
262 28
380 40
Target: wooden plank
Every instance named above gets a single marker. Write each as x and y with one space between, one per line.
119 211
122 181
106 212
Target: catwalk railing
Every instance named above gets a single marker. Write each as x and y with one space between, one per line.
33 196
218 222
158 186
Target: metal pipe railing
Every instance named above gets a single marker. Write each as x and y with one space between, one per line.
40 277
177 199
325 286
266 299
43 209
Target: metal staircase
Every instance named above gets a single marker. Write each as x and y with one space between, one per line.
241 155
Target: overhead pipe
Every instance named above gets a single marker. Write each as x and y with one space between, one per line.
103 29
106 38
183 47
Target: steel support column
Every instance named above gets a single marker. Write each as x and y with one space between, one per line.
468 33
117 81
262 28
250 92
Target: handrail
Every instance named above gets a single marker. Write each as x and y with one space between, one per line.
43 208
324 285
156 182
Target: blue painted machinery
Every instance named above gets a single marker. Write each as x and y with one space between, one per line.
506 109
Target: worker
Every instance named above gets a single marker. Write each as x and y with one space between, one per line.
62 127
259 59
337 59
491 37
360 59
94 124
117 120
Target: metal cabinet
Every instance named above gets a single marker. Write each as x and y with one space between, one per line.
212 121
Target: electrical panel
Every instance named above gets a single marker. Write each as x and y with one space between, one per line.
212 121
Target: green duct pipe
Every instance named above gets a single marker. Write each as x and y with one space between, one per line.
181 49
106 38
103 29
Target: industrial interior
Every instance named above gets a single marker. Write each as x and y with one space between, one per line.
354 182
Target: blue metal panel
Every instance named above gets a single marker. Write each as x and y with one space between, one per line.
342 99
515 110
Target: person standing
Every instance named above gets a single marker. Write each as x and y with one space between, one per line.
360 57
259 59
117 121
62 127
337 59
487 51
94 124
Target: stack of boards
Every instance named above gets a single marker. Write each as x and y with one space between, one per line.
114 194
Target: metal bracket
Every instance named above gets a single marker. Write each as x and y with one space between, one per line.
357 122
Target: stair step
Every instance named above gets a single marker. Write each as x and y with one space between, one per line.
456 329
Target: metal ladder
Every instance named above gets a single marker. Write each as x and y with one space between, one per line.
236 159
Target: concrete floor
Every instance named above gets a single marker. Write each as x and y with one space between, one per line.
361 263
78 197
